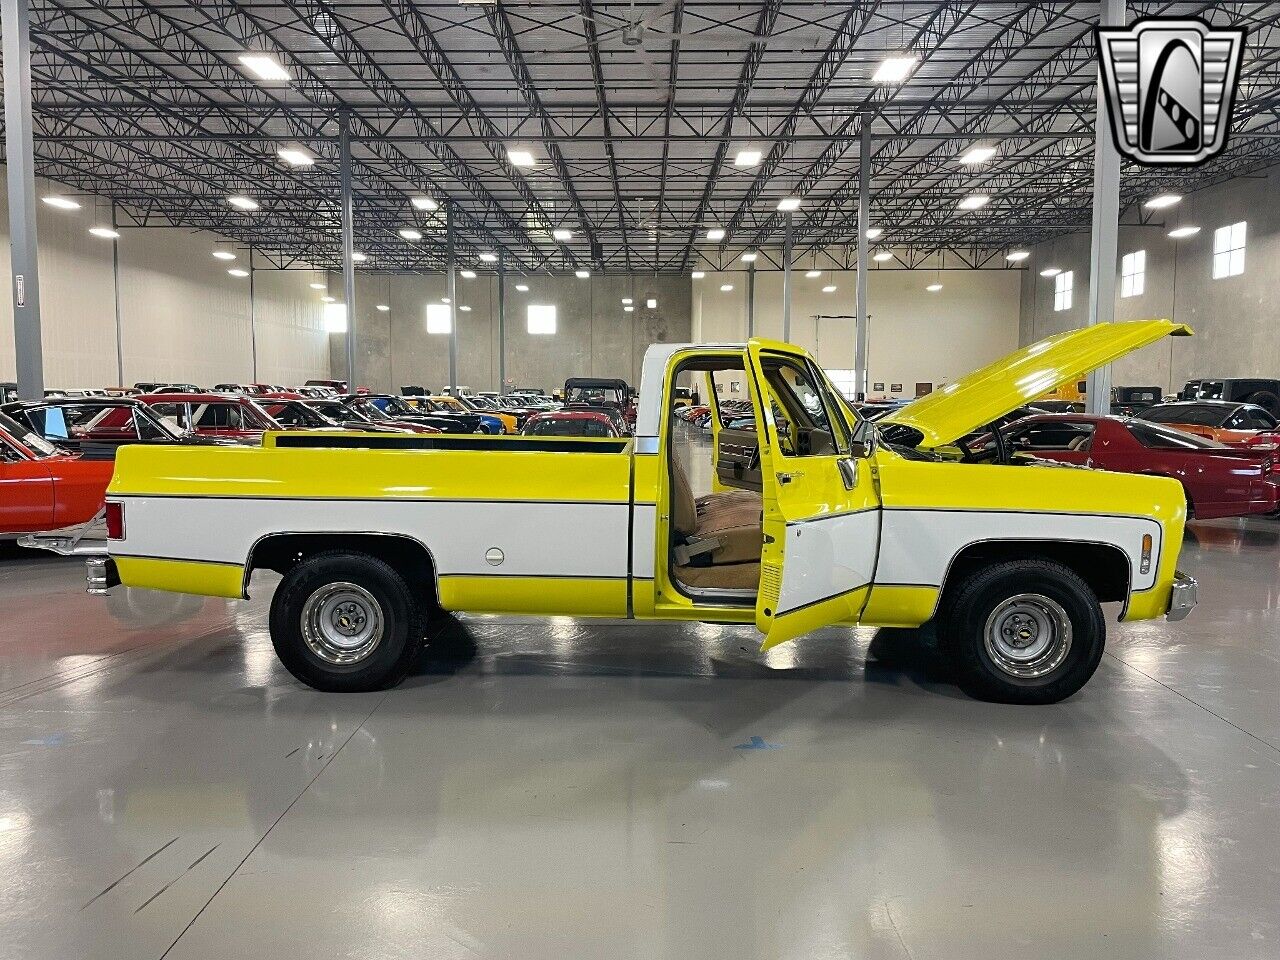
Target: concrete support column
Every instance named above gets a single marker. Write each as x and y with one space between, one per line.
864 224
1106 223
502 324
253 322
452 294
348 242
751 300
786 281
20 158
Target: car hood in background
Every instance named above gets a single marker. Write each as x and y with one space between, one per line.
985 395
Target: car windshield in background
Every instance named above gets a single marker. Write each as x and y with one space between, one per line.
571 427
33 442
292 413
1200 414
1153 435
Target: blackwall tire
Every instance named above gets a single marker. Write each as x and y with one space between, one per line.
1025 631
346 622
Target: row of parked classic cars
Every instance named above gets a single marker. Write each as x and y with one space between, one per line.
57 453
1225 452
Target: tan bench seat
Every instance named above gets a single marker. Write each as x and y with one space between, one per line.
722 536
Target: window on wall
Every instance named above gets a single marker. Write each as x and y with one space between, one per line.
542 318
1133 273
1062 286
1228 250
843 381
439 318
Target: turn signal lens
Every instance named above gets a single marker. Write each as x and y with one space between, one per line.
115 520
1145 566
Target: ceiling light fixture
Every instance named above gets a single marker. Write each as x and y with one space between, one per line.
409 233
813 274
382 308
976 155
934 287
651 303
520 158
313 286
894 69
726 287
749 257
295 157
522 287
424 203
974 201
228 255
875 233
243 203
326 299
627 301
105 232
628 309
1017 256
582 274
1180 233
715 234
882 256
747 158
829 288
467 274
1050 271
237 272
1162 201
265 67
359 257
465 309
488 258
698 274
62 203
788 204
563 236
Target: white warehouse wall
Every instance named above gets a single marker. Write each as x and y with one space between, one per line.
182 316
914 336
1234 318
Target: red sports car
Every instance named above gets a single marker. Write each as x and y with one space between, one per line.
571 423
1220 481
42 487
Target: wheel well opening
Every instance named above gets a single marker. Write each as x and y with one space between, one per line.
408 557
1105 568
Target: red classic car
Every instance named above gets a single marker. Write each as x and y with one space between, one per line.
1220 481
233 417
97 425
571 423
43 487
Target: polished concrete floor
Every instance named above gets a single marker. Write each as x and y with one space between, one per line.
567 789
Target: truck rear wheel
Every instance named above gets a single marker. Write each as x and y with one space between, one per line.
1025 631
346 622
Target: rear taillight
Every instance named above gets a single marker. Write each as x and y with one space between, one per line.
115 520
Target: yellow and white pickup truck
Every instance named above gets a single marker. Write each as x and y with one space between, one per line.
806 517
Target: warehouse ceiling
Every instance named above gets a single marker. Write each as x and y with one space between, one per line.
634 116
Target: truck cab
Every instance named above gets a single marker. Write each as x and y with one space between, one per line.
797 516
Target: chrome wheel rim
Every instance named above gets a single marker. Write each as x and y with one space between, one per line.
342 623
1028 636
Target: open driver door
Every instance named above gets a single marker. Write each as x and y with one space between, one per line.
820 496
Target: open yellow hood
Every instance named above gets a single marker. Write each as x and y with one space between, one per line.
974 401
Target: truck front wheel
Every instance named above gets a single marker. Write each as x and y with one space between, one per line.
1025 631
346 622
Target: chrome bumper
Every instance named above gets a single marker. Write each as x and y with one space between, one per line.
100 574
1183 598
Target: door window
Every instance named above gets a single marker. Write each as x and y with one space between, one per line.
1051 436
807 422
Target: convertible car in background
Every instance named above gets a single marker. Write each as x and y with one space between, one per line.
228 416
43 487
1229 422
1219 481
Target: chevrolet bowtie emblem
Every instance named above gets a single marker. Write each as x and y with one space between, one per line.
1170 85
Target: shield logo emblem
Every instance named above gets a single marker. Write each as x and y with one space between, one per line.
1170 85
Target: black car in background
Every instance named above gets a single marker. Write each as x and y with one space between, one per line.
1256 390
385 406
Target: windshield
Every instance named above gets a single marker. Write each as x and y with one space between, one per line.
291 413
369 410
1200 414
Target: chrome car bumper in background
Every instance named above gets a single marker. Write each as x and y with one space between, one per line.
1183 598
100 574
